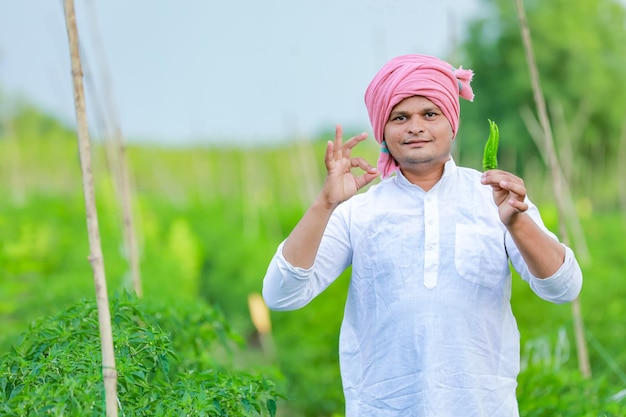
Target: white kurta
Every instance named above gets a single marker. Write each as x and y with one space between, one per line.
428 328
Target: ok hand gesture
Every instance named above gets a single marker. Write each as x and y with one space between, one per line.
341 183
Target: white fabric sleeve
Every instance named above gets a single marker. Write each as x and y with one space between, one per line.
286 287
562 287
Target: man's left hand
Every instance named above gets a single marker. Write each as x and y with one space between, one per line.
509 193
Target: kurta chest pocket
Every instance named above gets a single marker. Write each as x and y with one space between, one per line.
479 256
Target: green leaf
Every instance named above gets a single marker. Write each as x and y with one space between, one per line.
271 407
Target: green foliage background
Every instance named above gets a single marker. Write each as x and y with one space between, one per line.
580 50
207 236
209 219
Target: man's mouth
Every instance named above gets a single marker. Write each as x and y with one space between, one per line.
416 142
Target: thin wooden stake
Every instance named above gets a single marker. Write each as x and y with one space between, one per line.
557 180
119 160
575 228
109 372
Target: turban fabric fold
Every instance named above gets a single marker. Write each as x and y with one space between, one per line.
414 75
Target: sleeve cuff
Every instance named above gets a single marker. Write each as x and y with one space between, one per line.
285 267
564 285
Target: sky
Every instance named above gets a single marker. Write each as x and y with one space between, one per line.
202 71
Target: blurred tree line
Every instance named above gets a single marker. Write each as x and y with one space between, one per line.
580 48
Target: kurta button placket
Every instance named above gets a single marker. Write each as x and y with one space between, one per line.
431 239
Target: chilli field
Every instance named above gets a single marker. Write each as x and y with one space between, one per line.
208 221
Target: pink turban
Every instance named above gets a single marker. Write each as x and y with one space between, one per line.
414 75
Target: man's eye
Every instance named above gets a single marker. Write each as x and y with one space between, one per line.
430 114
400 118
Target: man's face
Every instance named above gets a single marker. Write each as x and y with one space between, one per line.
418 134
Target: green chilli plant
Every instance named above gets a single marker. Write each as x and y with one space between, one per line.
164 364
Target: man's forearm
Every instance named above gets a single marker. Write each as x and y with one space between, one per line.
543 254
301 246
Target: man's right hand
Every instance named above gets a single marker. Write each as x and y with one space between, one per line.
301 246
341 183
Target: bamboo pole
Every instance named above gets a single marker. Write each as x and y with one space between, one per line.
575 228
119 163
557 179
125 191
563 141
109 373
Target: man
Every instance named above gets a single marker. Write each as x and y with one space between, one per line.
428 328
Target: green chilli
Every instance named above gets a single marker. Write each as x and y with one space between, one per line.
490 156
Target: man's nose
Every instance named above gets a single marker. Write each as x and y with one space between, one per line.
415 125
